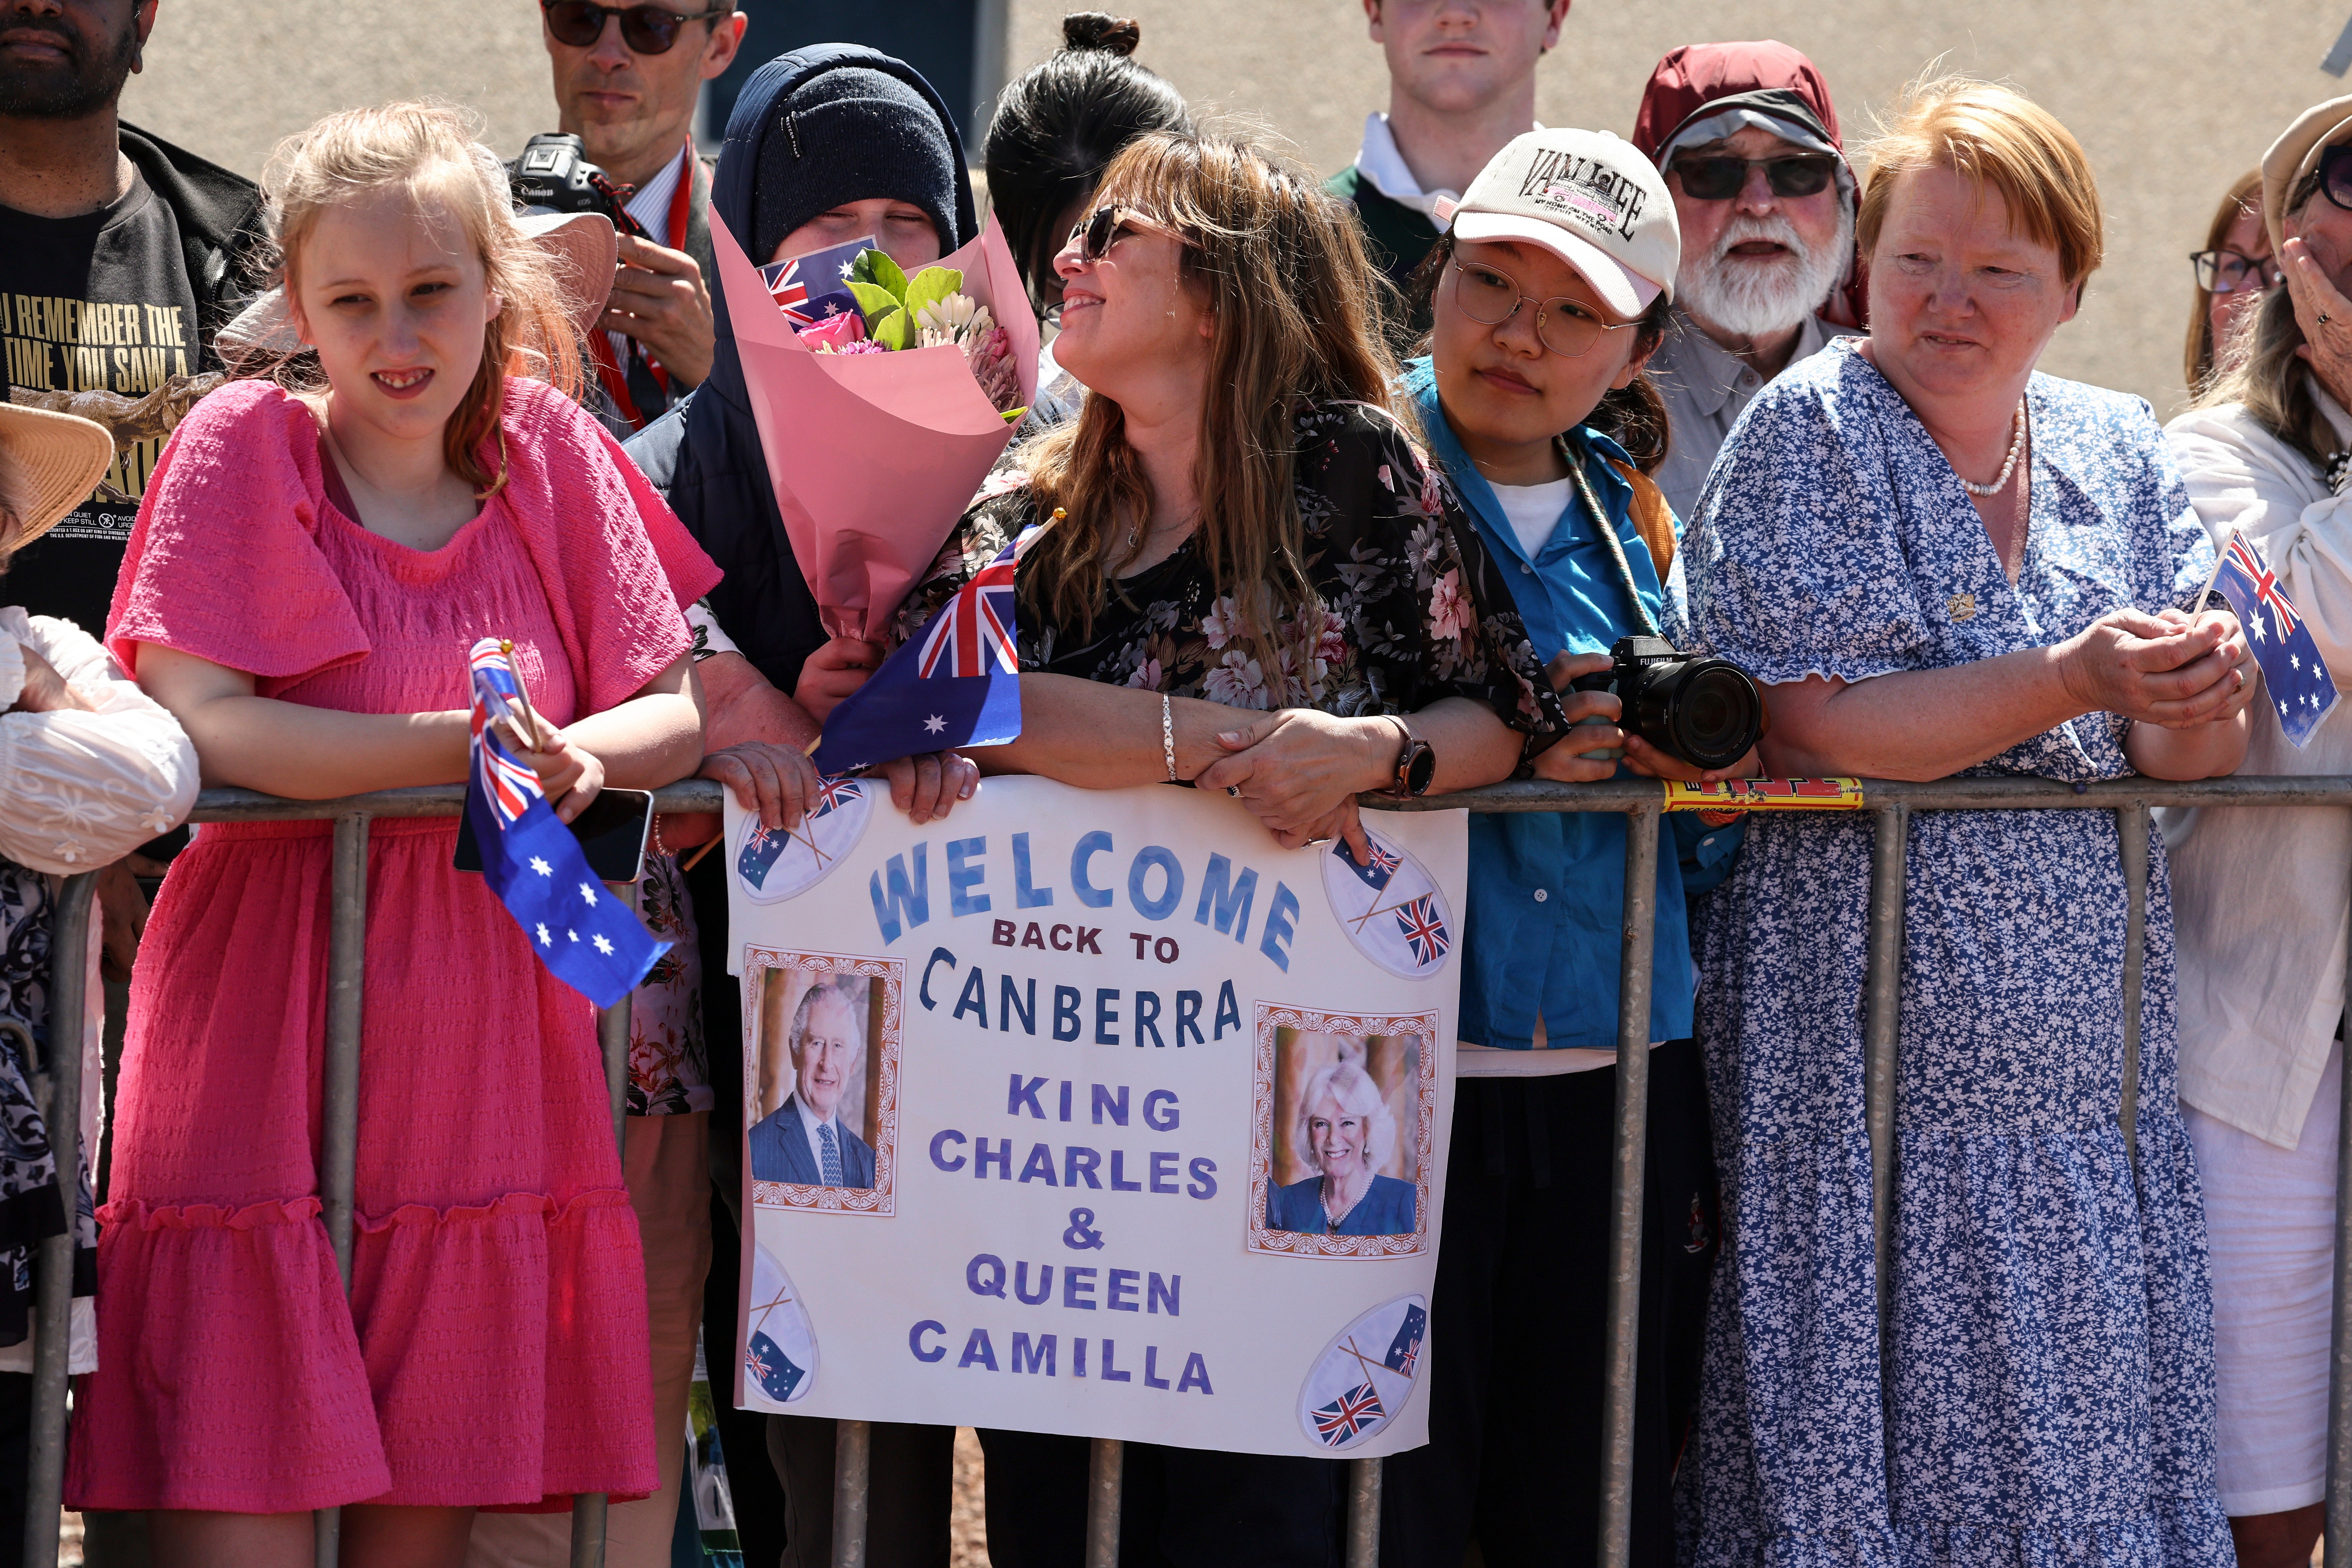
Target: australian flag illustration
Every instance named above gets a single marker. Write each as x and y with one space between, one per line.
815 287
588 938
761 848
1404 1350
1354 1411
1374 876
2300 691
955 683
771 1368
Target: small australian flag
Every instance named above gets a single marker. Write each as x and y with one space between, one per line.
2300 691
588 937
772 1369
1404 1350
957 683
816 287
1374 876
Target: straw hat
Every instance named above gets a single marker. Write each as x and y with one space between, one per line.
582 248
49 465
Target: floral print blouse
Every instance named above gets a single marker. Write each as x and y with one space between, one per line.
1414 609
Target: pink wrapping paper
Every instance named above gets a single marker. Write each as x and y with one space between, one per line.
873 457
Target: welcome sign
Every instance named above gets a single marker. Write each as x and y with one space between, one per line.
1095 1113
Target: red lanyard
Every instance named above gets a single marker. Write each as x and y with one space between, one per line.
600 347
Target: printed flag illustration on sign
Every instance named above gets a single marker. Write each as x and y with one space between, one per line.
956 684
1351 1412
1404 1350
1375 876
2300 691
588 937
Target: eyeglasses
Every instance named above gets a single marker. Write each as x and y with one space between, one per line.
1106 226
2229 272
2333 175
1490 296
1721 179
647 29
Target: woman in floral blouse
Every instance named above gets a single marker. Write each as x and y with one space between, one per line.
1236 520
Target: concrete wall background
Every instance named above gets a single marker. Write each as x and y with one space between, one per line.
2172 98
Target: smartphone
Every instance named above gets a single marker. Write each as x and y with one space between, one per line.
612 833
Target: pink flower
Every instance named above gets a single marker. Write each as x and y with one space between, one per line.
1238 682
1450 615
1332 645
1221 623
836 334
1145 676
1388 480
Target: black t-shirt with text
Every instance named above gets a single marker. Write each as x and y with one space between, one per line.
97 318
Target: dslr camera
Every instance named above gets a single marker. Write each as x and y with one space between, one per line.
1706 711
554 175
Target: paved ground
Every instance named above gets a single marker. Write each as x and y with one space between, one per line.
2172 98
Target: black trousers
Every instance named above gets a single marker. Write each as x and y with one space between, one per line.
1519 1311
1179 1508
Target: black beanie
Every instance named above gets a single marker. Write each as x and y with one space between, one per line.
852 134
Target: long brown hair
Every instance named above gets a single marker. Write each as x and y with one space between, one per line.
2245 199
1633 415
433 152
1290 295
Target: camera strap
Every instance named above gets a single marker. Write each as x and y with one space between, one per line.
1609 537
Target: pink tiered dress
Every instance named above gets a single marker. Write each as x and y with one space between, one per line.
492 1351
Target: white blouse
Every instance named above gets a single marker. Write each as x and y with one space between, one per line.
78 791
2262 896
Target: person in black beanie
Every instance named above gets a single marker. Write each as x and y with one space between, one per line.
825 144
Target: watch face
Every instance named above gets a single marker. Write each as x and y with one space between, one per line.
1420 768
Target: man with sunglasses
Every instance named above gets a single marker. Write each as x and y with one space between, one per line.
626 81
1462 84
1748 139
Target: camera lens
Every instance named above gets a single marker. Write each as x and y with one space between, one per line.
1705 711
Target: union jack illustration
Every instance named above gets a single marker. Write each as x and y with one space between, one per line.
973 630
832 794
1358 1410
1424 928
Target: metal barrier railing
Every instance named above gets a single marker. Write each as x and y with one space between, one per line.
1889 804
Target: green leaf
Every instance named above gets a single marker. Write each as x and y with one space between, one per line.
874 302
873 267
931 286
896 331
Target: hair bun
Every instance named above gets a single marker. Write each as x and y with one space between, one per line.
1101 30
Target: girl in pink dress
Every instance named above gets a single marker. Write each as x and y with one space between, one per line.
306 577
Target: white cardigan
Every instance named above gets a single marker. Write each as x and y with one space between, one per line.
2262 896
78 791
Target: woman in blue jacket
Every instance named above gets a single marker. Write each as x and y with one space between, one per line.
1548 296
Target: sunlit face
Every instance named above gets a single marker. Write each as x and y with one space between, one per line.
392 293
1499 384
626 107
2250 238
1960 301
826 1054
1335 1140
1131 314
902 231
1457 55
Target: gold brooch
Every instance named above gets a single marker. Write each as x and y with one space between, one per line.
1963 606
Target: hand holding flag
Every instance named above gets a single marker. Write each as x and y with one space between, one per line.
589 938
2301 692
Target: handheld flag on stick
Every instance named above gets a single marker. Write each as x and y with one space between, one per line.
589 939
958 683
2300 691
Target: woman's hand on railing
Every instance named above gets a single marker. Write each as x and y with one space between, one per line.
833 672
569 776
927 787
1296 769
777 782
2169 669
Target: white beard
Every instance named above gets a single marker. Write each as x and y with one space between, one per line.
1755 298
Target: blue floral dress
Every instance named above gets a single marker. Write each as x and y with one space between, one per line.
2053 1388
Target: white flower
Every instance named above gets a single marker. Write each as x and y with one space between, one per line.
1222 621
1238 682
947 316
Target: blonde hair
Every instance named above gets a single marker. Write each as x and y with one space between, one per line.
1998 136
2272 381
433 152
1291 300
1352 1090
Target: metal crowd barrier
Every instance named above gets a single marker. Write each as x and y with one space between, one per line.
1890 805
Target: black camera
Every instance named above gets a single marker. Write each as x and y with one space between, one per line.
554 175
1706 711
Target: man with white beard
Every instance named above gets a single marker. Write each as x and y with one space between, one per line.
1747 140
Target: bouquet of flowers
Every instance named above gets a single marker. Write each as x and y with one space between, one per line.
882 402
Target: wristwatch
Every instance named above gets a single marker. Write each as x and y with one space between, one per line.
1416 764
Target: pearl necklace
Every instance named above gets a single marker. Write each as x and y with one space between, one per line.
2009 464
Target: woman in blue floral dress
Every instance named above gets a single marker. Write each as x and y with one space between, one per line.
1939 563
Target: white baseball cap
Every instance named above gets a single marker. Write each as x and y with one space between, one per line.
1591 199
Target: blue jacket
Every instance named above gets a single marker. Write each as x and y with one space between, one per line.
1541 938
704 454
780 1153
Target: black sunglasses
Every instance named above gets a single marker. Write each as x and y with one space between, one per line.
1721 179
647 29
2333 175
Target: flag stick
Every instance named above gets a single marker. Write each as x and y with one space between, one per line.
697 857
2197 605
522 694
